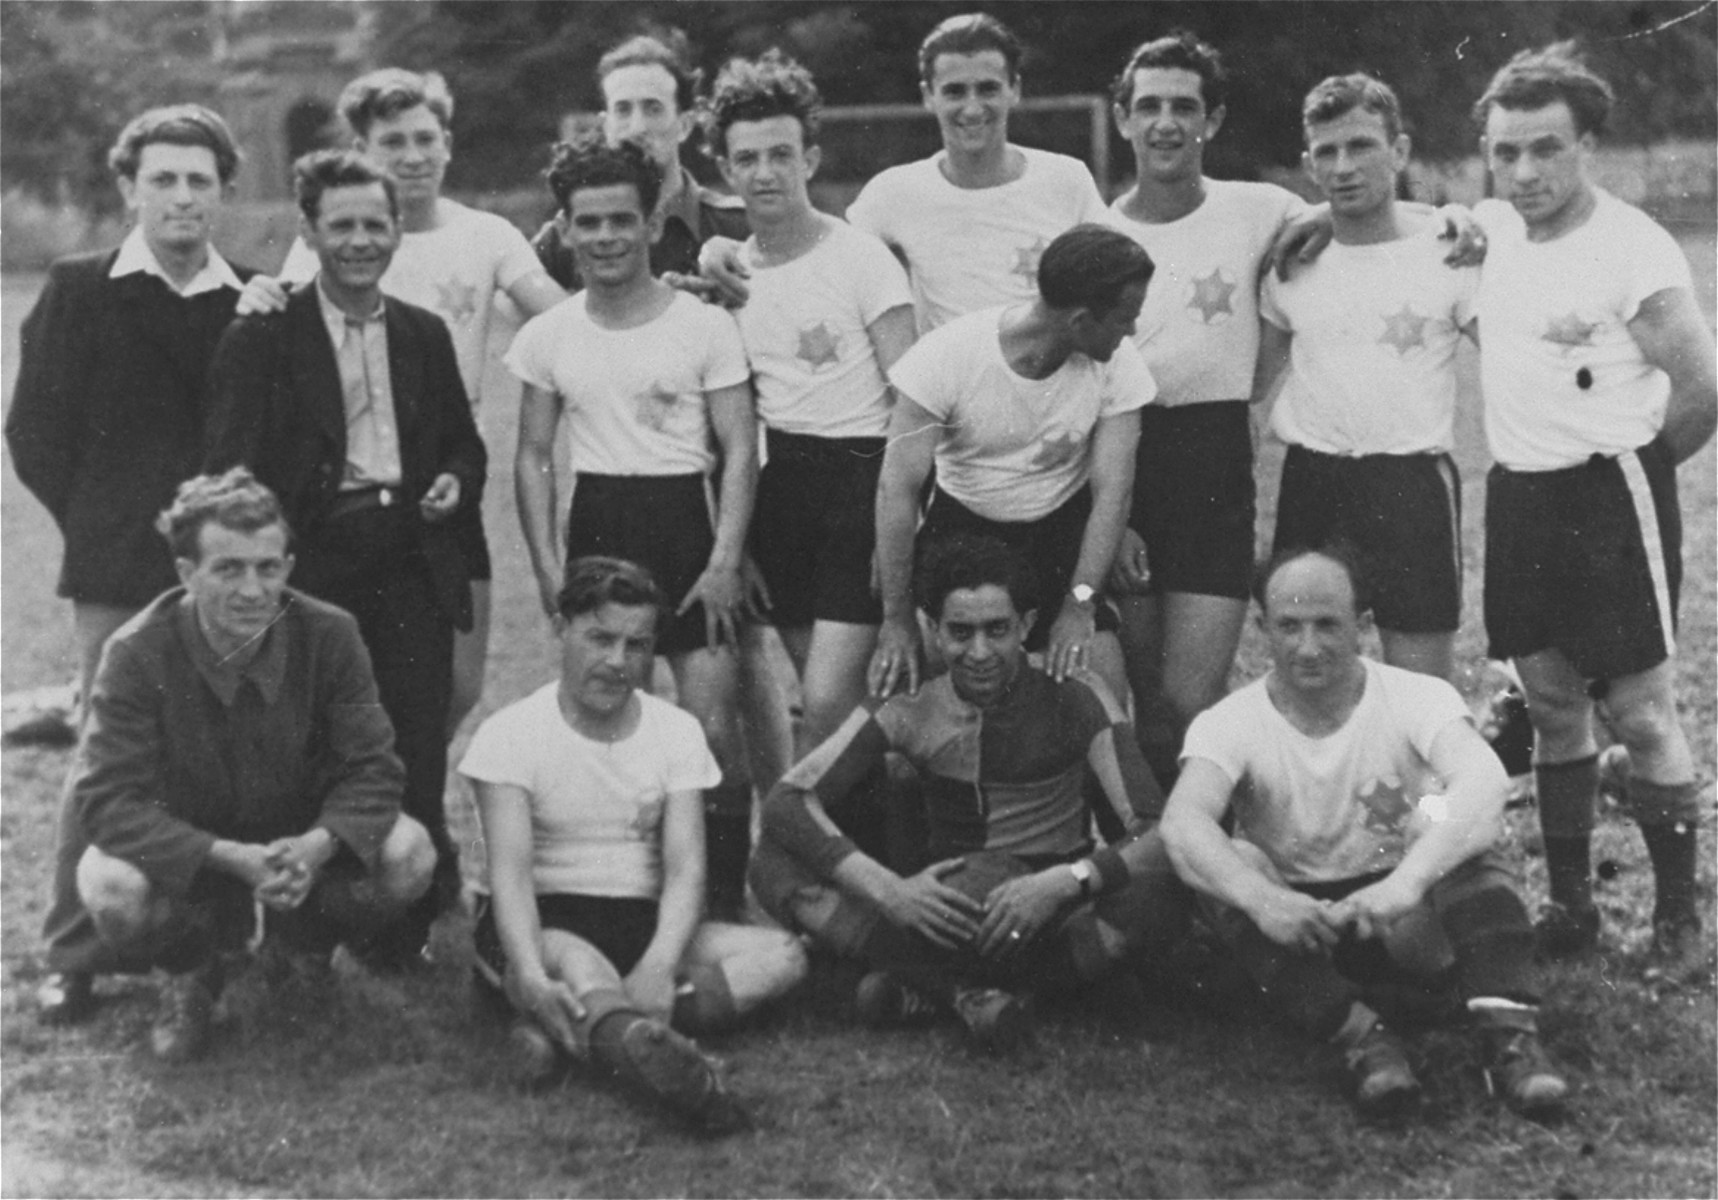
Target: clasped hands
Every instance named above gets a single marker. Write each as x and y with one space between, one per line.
999 927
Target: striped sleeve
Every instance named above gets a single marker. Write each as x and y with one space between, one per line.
831 774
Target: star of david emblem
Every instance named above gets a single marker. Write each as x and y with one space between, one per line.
819 345
1211 295
1387 809
1570 330
1057 449
1026 261
647 819
1404 331
456 301
655 406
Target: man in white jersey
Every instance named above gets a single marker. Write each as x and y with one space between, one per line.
1339 815
1369 332
1598 370
588 919
971 221
1029 414
653 384
1186 563
452 260
829 314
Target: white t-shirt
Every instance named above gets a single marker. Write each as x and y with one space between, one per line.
1199 329
454 270
1333 807
805 331
636 399
1549 309
1372 361
973 248
1012 448
596 807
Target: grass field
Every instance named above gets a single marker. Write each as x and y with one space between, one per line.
399 1093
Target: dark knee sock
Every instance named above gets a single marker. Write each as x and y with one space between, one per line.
1672 848
1567 792
1489 930
611 1015
727 846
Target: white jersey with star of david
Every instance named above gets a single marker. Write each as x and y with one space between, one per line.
1333 807
596 807
454 270
1372 360
973 248
805 330
1199 329
1549 311
1012 448
636 399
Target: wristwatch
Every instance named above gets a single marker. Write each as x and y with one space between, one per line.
1083 875
1083 594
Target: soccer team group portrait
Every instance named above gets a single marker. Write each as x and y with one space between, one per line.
976 459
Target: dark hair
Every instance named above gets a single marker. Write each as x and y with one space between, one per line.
1537 78
1342 94
970 33
175 125
390 92
772 85
316 172
955 561
1089 266
1338 550
596 580
236 501
1179 50
666 49
588 161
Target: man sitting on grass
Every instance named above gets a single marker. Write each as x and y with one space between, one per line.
235 756
589 791
1017 899
1364 807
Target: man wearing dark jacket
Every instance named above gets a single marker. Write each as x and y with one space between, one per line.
350 406
235 758
107 417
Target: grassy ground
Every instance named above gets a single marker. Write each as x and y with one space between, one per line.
398 1093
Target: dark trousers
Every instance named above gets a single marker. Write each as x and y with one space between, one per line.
369 564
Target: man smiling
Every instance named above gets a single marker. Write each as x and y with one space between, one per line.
349 405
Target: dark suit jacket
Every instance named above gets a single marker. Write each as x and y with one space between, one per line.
107 417
276 406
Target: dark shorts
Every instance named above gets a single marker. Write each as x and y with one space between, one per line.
1051 544
619 927
473 543
1586 560
814 529
660 522
1400 512
1194 497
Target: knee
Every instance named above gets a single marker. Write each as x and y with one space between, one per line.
782 960
1645 724
407 861
116 895
1559 716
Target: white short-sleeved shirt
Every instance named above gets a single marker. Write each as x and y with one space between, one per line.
636 399
596 807
1199 329
1549 309
1012 448
974 248
454 270
1372 360
805 331
1334 807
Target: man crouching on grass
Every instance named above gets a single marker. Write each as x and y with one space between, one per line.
237 768
1364 806
1018 901
590 791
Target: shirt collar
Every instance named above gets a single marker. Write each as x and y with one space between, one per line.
135 257
335 317
685 205
267 670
